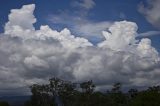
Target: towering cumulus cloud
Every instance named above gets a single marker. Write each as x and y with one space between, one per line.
30 56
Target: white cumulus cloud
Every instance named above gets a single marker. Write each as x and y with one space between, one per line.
30 56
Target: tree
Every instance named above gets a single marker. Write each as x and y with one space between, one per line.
149 97
87 91
58 92
116 88
62 90
132 93
41 96
87 87
116 97
65 93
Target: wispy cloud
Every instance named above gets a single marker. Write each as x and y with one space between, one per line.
149 33
85 4
81 26
78 21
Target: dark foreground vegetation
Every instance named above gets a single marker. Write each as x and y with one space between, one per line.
3 103
64 93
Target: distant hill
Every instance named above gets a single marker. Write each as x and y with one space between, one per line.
15 100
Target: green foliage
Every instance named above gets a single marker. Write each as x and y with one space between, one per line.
150 97
87 87
64 93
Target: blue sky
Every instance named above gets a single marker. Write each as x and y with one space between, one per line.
109 10
103 10
85 40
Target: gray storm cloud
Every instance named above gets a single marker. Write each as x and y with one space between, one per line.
30 56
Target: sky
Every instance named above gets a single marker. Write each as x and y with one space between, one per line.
106 41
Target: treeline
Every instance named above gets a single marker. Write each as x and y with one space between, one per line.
64 93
